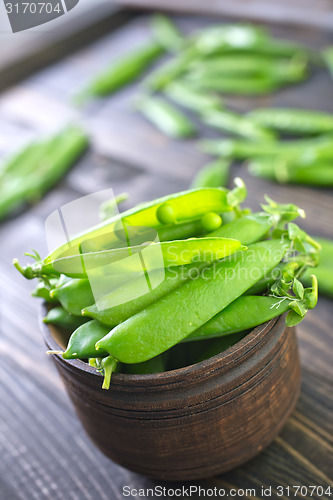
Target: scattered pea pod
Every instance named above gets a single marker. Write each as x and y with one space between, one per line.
223 37
26 179
165 117
188 97
252 86
168 321
249 67
305 150
235 123
121 72
214 174
280 170
171 70
293 121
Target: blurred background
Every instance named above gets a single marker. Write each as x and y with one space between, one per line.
45 453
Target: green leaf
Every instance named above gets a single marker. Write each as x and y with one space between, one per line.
298 289
293 319
298 307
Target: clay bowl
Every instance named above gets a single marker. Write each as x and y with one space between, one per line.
193 422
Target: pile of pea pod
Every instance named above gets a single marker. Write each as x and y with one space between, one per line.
230 59
224 271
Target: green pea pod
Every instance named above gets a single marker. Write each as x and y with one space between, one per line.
71 143
22 161
168 321
282 171
113 315
44 166
171 70
58 316
293 121
165 117
82 342
214 174
183 206
196 204
242 65
121 72
231 64
328 58
324 271
42 291
265 283
249 228
188 97
235 123
189 229
226 36
255 85
74 295
173 253
166 33
305 149
246 312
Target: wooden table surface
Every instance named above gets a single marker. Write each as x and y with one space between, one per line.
44 452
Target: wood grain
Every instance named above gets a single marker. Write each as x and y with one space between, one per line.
43 448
